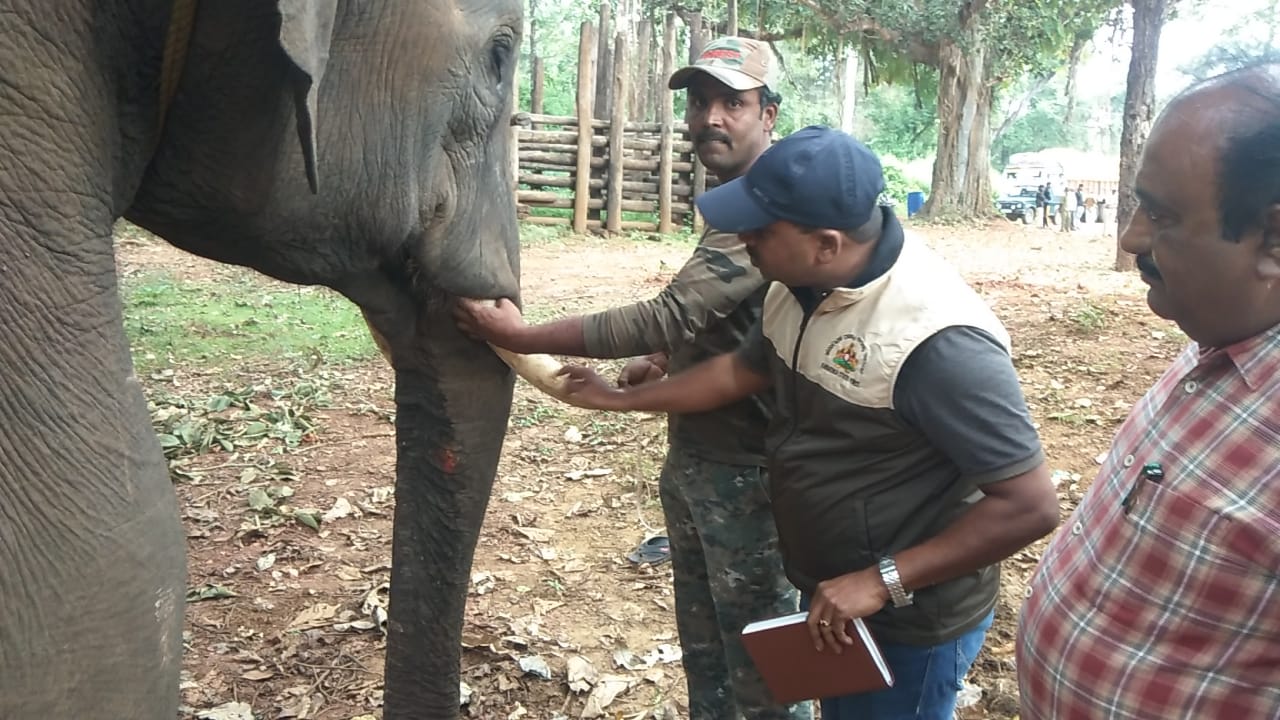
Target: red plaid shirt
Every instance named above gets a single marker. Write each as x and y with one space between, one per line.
1170 608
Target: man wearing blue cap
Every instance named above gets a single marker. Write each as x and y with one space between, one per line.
903 461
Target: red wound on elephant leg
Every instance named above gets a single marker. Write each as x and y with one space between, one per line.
448 460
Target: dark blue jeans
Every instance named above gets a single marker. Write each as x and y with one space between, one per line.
926 680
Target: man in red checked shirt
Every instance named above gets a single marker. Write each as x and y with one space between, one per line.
1160 598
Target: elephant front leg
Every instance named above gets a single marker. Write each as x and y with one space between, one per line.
452 405
92 552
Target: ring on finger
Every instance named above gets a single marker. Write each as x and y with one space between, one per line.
824 622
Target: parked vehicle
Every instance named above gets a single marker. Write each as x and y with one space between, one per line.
1019 205
1064 169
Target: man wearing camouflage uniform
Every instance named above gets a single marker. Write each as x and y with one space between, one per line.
714 490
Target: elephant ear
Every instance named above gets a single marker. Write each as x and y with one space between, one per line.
306 29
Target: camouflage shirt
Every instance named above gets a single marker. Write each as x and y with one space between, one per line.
706 310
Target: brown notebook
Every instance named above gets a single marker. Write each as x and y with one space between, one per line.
783 653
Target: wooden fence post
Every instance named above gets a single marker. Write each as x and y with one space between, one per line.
698 180
666 118
586 93
617 129
640 82
604 72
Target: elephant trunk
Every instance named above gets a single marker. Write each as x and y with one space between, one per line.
452 401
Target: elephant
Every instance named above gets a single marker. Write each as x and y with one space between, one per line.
361 145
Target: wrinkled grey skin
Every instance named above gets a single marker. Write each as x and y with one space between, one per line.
410 100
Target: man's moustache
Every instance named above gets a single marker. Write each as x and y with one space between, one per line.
706 137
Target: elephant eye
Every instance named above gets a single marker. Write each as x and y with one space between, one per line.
500 51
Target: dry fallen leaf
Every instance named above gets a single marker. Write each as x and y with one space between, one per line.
341 508
605 692
315 616
581 674
228 711
536 534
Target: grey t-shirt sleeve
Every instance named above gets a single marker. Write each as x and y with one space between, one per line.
754 352
959 390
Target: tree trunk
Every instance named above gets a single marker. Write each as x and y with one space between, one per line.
1139 111
731 23
604 66
1077 48
640 78
962 168
847 86
537 91
696 42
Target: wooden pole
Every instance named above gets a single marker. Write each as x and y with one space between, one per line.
733 19
536 90
696 41
604 71
666 118
586 95
640 83
699 187
617 154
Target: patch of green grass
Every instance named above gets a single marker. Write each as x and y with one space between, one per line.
171 321
1088 318
531 234
529 413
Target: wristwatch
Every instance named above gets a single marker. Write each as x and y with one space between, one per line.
889 574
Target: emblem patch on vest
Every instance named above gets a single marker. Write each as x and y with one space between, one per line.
844 358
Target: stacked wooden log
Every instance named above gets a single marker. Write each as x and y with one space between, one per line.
592 169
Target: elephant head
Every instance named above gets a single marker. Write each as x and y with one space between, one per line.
360 145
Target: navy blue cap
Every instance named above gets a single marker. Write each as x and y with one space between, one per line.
817 176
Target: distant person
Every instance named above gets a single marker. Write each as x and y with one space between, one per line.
1162 600
1048 205
1067 213
1080 203
1039 203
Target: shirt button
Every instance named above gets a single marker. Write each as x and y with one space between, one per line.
1128 460
1077 528
1027 593
1191 386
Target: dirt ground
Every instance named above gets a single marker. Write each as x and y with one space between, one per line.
559 623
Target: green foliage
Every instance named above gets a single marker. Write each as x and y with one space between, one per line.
902 46
1251 40
901 120
1040 126
224 322
897 185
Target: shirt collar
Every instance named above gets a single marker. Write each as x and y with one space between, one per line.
1256 358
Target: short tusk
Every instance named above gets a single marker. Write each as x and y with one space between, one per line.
541 371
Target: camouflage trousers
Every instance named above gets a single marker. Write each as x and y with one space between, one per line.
727 573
